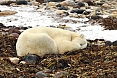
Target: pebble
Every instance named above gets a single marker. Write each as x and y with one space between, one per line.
113 15
58 5
47 71
108 43
31 59
63 8
54 0
105 5
24 28
1 25
100 3
22 3
80 4
14 35
14 60
86 12
40 74
14 30
115 43
95 17
68 3
61 74
90 3
22 62
78 11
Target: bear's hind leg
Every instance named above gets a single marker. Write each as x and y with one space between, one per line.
32 43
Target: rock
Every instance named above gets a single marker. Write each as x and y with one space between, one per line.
40 74
80 4
51 5
34 3
61 26
47 71
86 12
22 3
14 60
7 12
108 43
78 11
59 12
100 3
40 1
6 2
63 8
61 74
58 5
90 3
14 30
53 0
24 28
115 43
98 12
95 17
31 59
22 62
105 5
1 24
113 15
66 14
68 3
14 35
62 63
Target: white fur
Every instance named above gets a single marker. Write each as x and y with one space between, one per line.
47 40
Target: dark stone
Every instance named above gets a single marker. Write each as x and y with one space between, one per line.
7 3
62 63
1 25
86 13
53 26
58 5
40 74
89 2
78 11
40 1
62 8
24 28
81 4
53 0
31 59
14 30
66 13
21 2
108 43
14 35
95 17
100 3
115 43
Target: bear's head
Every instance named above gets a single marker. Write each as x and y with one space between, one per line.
81 40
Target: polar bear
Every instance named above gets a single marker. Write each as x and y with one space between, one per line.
48 40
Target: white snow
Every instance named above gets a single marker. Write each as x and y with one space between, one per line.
30 16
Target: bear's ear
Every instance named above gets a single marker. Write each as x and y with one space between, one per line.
81 35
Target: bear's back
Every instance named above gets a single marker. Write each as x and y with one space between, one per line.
52 32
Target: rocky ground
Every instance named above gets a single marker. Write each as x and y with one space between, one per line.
98 60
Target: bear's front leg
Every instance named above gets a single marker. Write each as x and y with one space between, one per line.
65 46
